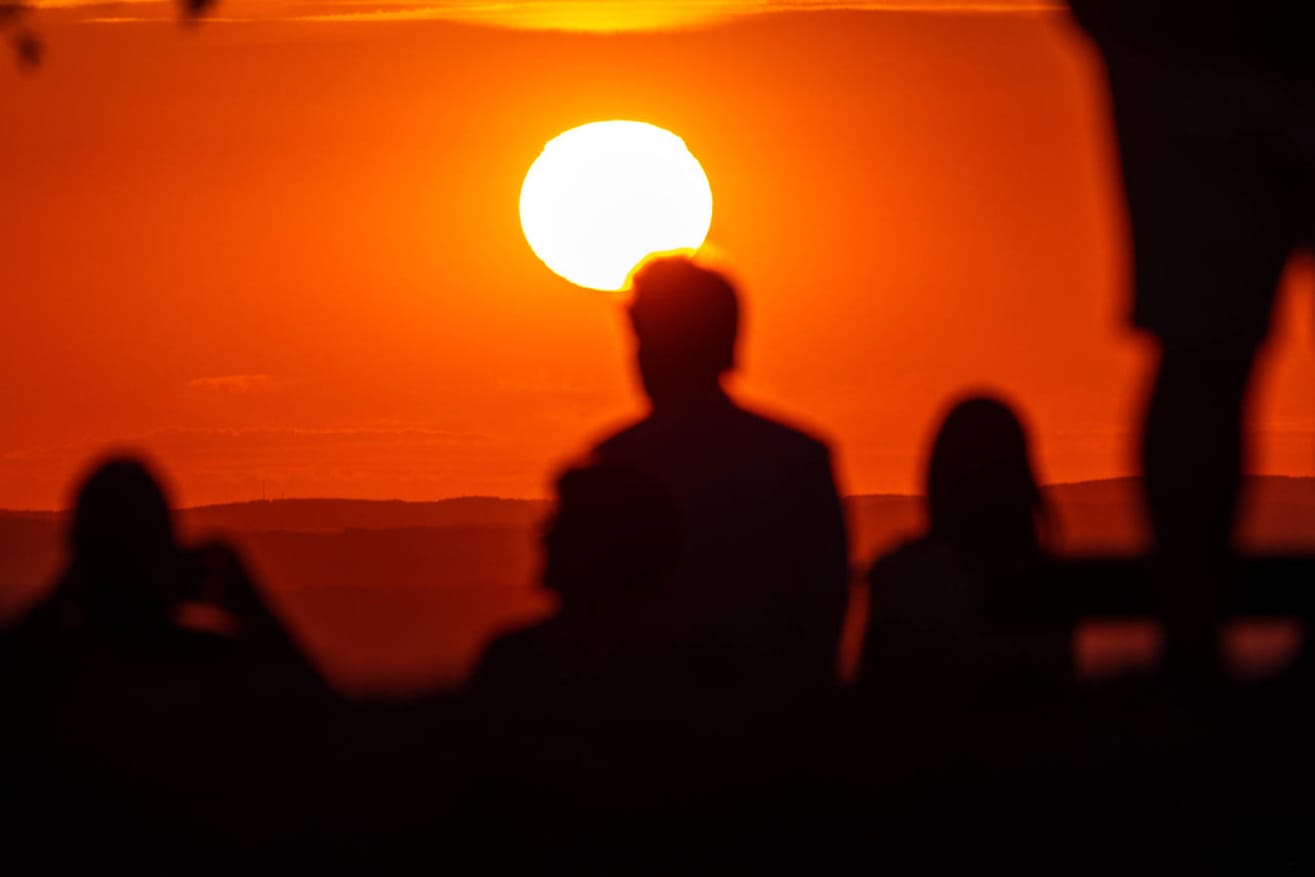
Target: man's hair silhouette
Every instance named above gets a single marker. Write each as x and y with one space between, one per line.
686 320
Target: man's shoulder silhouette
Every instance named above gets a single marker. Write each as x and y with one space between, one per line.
723 428
764 568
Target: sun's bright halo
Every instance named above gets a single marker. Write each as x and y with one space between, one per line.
603 196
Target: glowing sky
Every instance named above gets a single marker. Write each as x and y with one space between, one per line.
588 15
285 255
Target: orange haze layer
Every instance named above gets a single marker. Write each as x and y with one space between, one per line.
286 257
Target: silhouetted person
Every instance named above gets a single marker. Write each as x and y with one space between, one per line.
129 577
146 733
610 553
581 705
948 612
763 568
1214 103
125 565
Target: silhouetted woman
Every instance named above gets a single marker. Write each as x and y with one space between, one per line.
948 611
148 732
129 577
125 564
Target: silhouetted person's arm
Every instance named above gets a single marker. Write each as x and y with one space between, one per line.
877 632
222 580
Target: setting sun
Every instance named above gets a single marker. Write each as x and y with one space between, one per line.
603 196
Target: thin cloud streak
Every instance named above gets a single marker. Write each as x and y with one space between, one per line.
570 15
610 17
239 384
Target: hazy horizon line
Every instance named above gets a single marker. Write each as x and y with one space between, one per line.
529 499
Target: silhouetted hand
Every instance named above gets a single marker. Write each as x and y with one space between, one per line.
217 578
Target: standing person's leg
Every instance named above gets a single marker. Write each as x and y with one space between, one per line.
1207 173
1193 453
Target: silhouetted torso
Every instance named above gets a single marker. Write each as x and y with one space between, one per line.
943 629
763 568
615 646
153 742
562 659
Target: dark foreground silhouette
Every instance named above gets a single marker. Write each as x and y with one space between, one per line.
1214 104
680 711
158 718
151 692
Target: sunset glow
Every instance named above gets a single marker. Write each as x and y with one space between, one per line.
603 196
320 285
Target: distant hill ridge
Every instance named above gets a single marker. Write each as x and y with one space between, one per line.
335 515
1273 494
391 594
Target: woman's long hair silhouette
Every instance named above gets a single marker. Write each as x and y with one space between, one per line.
982 492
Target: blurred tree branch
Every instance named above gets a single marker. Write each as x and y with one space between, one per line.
194 9
27 46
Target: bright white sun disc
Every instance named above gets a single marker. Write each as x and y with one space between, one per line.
603 196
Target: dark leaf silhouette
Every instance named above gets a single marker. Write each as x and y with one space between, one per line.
29 49
11 12
195 8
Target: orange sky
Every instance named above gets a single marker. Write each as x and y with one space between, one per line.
286 252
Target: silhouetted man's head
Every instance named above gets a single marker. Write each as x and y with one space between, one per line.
122 538
980 483
686 319
614 538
